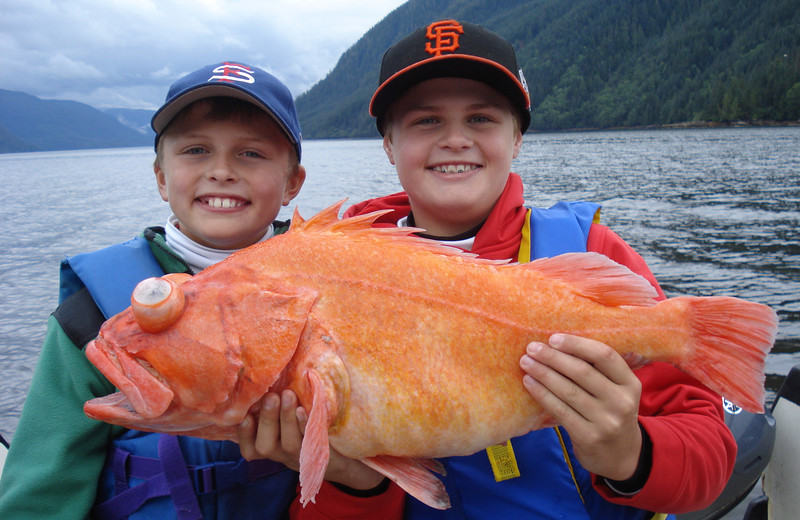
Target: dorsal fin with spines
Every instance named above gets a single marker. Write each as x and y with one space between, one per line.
360 226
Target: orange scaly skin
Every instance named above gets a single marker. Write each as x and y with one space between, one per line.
399 352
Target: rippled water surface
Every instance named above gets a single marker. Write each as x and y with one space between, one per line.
714 212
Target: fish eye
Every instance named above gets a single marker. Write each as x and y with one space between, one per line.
157 303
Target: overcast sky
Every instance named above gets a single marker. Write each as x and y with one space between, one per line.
126 53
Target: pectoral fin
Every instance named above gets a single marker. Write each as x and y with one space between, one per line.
415 477
315 451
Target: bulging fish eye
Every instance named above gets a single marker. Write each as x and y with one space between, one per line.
157 303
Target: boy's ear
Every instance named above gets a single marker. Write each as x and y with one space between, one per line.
161 181
387 147
517 144
293 184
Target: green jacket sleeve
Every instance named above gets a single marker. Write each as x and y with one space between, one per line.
57 453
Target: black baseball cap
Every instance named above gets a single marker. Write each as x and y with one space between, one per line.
448 48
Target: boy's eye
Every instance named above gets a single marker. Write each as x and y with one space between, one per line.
428 120
195 150
479 119
253 154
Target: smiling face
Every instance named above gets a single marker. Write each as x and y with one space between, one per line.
452 141
226 178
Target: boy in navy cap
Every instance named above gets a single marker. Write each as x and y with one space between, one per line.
228 149
452 105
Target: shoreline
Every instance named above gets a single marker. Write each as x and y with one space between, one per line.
686 125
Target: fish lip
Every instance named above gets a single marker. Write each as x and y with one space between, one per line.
117 409
147 395
114 406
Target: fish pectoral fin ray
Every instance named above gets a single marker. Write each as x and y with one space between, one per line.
314 451
597 277
415 477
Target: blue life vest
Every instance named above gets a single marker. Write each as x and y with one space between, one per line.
110 274
551 482
158 476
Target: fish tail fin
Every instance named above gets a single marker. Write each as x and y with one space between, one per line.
415 477
731 340
315 450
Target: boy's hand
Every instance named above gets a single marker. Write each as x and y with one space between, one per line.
592 392
274 430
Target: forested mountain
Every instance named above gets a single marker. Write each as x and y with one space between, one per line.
600 63
588 64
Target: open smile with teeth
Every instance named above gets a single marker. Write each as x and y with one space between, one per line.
455 168
222 202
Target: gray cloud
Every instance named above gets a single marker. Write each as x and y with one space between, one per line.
125 53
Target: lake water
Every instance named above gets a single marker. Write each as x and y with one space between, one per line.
714 212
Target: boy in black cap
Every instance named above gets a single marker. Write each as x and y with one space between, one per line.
452 105
228 149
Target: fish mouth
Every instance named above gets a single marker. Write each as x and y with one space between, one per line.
142 395
116 407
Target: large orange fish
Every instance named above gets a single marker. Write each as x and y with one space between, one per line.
402 350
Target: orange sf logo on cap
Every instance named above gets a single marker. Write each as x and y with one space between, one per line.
443 36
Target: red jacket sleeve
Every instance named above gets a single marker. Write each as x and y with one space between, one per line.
693 450
331 503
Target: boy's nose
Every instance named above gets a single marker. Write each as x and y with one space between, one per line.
456 137
222 170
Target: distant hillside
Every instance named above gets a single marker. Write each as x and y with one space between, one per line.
28 124
136 118
10 143
600 63
589 64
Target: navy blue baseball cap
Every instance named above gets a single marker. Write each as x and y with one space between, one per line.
236 80
449 48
